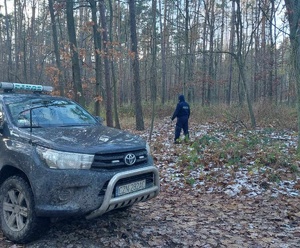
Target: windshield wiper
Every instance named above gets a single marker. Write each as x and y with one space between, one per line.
31 126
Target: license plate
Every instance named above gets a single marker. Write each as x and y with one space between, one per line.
130 187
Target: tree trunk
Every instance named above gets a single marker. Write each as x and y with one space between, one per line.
211 71
186 72
263 51
8 42
257 55
204 66
271 53
56 49
241 61
98 65
108 98
153 75
220 69
113 68
17 29
163 35
32 56
293 12
231 50
79 97
135 67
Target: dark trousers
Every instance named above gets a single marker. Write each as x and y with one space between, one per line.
182 123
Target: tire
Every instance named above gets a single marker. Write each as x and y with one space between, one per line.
19 222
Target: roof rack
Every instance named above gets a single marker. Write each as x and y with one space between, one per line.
8 87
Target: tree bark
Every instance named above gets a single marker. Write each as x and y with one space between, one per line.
186 46
241 61
32 56
8 42
108 98
211 70
153 75
98 65
204 65
271 53
163 35
56 48
79 97
293 12
135 68
113 68
18 24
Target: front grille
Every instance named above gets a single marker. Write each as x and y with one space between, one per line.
114 160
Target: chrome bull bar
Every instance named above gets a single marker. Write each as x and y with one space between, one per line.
110 203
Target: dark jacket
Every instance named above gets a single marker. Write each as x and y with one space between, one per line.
182 109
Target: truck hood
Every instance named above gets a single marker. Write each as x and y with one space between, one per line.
90 139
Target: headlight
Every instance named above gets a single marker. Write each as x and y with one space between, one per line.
65 160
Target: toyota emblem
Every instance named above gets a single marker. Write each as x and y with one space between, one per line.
130 159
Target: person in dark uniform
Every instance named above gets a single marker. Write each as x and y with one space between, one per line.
182 113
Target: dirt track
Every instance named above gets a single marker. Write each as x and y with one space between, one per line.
182 216
182 219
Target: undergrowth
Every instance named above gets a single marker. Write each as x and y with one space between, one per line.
243 147
255 151
235 116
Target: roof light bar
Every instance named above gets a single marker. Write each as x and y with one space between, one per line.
18 86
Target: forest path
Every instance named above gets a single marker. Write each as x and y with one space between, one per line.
206 200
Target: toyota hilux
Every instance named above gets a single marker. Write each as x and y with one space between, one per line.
57 161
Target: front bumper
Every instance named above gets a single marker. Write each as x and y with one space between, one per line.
111 203
89 193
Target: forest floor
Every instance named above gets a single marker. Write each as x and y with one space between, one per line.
226 187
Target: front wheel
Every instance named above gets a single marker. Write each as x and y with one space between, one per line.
19 222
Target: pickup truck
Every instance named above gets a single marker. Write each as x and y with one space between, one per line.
57 161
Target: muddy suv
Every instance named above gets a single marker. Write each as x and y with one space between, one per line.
57 160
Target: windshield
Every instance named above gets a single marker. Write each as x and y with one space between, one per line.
48 113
